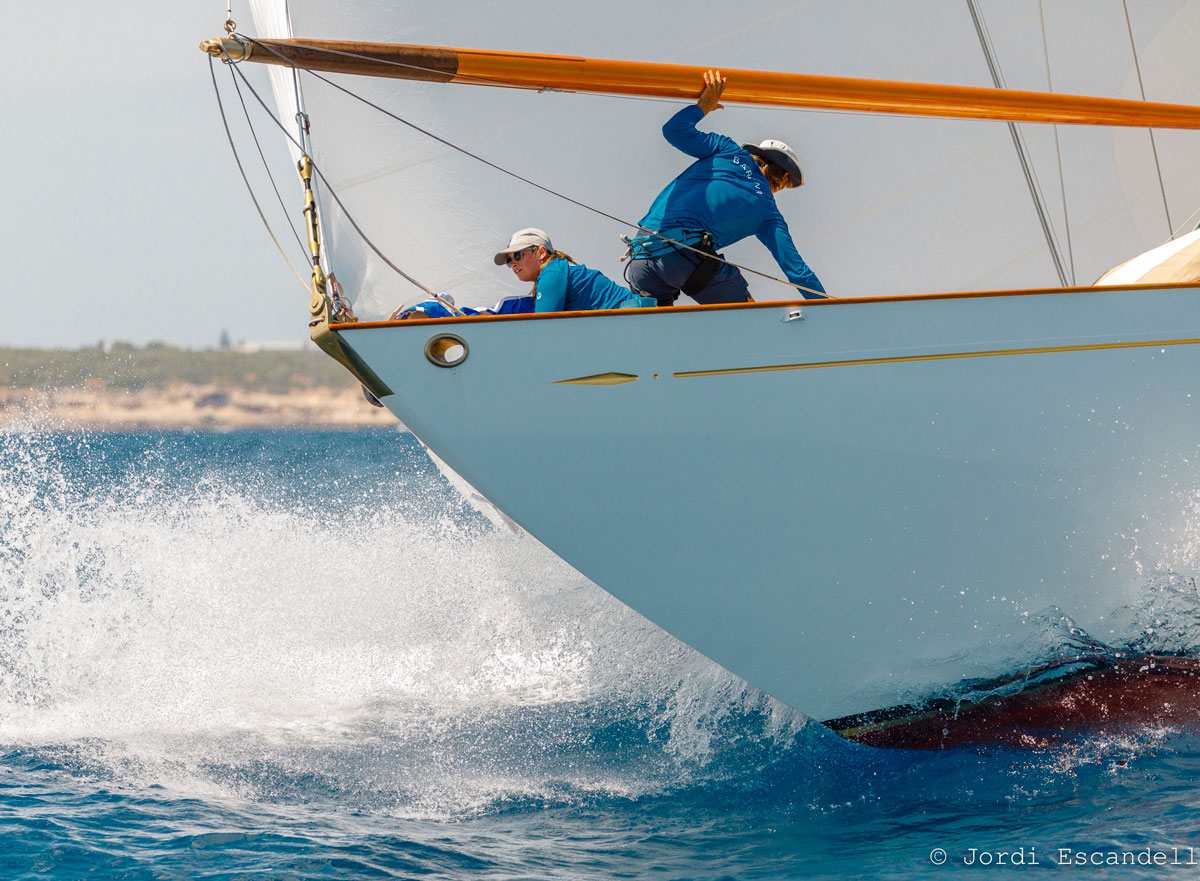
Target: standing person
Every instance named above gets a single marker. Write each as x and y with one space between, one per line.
559 283
726 195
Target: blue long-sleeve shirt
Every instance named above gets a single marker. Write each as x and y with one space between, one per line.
570 287
726 194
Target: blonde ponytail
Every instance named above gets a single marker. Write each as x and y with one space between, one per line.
556 255
550 255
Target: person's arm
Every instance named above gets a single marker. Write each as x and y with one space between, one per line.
681 132
774 234
551 288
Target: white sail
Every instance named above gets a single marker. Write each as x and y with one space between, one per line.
890 205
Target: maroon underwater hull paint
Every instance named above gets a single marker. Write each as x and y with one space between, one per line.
1128 695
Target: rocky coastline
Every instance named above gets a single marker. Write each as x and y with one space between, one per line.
120 387
197 407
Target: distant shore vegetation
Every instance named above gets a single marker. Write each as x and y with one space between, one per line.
124 366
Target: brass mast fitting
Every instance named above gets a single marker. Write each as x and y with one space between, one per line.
227 47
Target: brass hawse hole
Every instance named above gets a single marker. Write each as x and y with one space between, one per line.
446 350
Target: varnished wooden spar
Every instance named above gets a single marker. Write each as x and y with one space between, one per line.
605 76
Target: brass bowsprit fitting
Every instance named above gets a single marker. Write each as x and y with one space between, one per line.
327 295
321 307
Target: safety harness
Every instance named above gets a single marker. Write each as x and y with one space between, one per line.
669 240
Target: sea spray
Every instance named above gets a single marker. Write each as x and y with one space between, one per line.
200 625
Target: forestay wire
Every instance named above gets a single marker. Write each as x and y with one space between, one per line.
267 165
246 179
650 232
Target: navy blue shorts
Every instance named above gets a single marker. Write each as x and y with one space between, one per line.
662 277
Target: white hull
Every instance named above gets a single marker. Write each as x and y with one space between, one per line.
848 536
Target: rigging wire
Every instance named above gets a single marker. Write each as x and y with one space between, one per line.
332 193
267 166
989 53
1062 183
249 189
1137 66
503 170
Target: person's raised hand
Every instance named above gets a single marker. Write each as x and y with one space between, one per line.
710 98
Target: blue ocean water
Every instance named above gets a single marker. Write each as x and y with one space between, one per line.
302 655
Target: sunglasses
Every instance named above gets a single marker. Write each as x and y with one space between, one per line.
515 256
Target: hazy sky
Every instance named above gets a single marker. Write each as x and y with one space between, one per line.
126 217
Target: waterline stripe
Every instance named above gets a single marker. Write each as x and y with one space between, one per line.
944 356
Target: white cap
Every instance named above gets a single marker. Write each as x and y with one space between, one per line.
522 239
778 153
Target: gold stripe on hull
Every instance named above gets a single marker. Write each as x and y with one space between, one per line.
941 356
